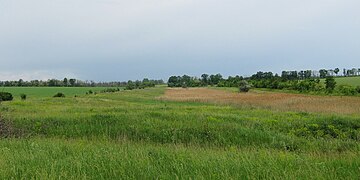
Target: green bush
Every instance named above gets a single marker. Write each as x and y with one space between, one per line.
244 86
5 96
23 96
346 90
358 89
59 95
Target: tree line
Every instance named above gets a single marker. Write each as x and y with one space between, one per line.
302 81
79 83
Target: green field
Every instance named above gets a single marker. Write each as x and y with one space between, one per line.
352 81
39 92
136 135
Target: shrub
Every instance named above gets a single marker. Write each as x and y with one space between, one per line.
346 90
110 90
358 89
330 84
5 96
244 86
23 97
59 95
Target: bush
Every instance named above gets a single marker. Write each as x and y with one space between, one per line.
23 97
5 96
59 95
346 90
358 89
109 90
244 86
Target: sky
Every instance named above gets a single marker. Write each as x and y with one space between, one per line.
118 40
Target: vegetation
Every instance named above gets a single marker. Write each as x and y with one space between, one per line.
23 97
59 95
304 81
193 133
5 96
72 83
244 86
136 134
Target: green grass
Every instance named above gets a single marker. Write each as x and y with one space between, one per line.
38 92
351 81
133 134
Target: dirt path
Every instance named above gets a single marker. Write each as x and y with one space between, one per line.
275 101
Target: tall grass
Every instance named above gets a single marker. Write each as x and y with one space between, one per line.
134 134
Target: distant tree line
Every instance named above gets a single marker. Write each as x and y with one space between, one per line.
302 81
79 83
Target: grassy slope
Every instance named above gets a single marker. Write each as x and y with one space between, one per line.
352 81
131 134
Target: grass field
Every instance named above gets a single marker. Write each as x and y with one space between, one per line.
39 92
143 134
352 81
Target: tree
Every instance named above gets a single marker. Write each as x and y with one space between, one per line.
72 82
323 73
330 83
205 79
65 81
20 82
244 86
336 71
215 79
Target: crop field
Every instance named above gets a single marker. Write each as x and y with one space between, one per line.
160 133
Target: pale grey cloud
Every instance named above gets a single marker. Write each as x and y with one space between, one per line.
120 39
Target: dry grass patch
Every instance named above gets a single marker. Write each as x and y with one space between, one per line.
268 100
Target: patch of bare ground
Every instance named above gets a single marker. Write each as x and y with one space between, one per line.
273 100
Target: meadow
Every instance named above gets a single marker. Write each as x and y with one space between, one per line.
154 134
40 92
351 81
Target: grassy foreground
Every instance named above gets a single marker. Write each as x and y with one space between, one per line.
134 134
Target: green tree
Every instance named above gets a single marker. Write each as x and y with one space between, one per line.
244 86
65 82
72 82
330 83
205 79
336 71
323 73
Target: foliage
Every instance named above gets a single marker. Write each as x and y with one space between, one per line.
346 90
244 86
5 96
72 82
136 135
358 89
330 83
23 97
62 95
110 90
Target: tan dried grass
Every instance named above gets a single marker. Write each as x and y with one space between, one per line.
268 100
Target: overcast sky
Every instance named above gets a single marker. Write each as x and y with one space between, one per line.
106 40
